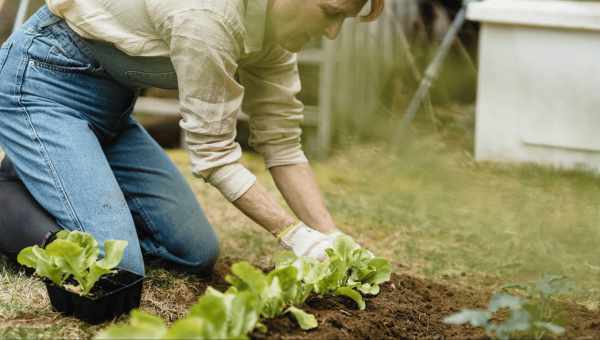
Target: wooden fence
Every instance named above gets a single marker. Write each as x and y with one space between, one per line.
367 55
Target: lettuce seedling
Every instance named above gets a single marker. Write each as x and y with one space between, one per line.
219 316
216 315
540 301
277 291
73 255
349 271
519 320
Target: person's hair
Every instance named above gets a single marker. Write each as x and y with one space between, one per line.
376 10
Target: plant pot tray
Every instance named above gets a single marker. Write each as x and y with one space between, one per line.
112 296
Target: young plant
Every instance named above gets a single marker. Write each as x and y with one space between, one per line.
518 321
277 291
73 255
216 315
541 296
253 294
349 271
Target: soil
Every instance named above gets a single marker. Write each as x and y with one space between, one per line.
407 308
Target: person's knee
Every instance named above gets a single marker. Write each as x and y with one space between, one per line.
203 259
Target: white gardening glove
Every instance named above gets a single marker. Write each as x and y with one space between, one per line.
305 241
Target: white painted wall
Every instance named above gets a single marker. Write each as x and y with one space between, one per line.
539 82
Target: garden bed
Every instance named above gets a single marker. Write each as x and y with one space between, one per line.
407 308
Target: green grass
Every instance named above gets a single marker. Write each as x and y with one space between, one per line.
431 208
428 207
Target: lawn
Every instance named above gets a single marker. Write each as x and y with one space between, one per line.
428 207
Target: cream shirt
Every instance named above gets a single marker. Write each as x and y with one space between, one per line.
209 41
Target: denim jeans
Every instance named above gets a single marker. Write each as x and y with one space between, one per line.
65 123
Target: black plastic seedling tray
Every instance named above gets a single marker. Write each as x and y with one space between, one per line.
112 296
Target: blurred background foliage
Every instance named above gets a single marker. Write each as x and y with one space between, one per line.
377 67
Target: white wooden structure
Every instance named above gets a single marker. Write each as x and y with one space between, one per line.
538 82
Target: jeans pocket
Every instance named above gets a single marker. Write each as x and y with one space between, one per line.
56 52
4 50
64 69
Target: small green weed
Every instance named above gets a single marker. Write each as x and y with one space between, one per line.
536 315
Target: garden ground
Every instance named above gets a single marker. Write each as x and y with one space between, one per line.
455 230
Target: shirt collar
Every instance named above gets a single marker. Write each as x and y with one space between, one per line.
256 17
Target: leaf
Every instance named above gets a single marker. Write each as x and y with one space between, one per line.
284 259
64 248
305 320
141 318
352 294
248 277
114 251
272 298
189 328
62 235
551 285
142 326
332 277
474 317
89 245
383 270
211 307
243 314
312 270
69 256
287 276
552 328
343 247
288 281
368 289
93 275
502 300
45 266
82 239
27 258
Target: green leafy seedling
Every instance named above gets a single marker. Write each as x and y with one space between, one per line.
349 271
541 305
73 255
518 321
277 291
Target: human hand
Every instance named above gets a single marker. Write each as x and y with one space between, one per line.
306 241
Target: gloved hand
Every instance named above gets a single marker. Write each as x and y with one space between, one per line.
305 241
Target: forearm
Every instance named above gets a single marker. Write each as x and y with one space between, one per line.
298 186
260 206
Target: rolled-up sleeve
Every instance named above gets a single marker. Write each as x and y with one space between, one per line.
204 51
275 114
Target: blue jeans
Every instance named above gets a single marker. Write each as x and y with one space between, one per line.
65 123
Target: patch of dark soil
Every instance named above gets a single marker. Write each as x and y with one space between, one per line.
407 308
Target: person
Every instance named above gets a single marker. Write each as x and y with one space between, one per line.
69 79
